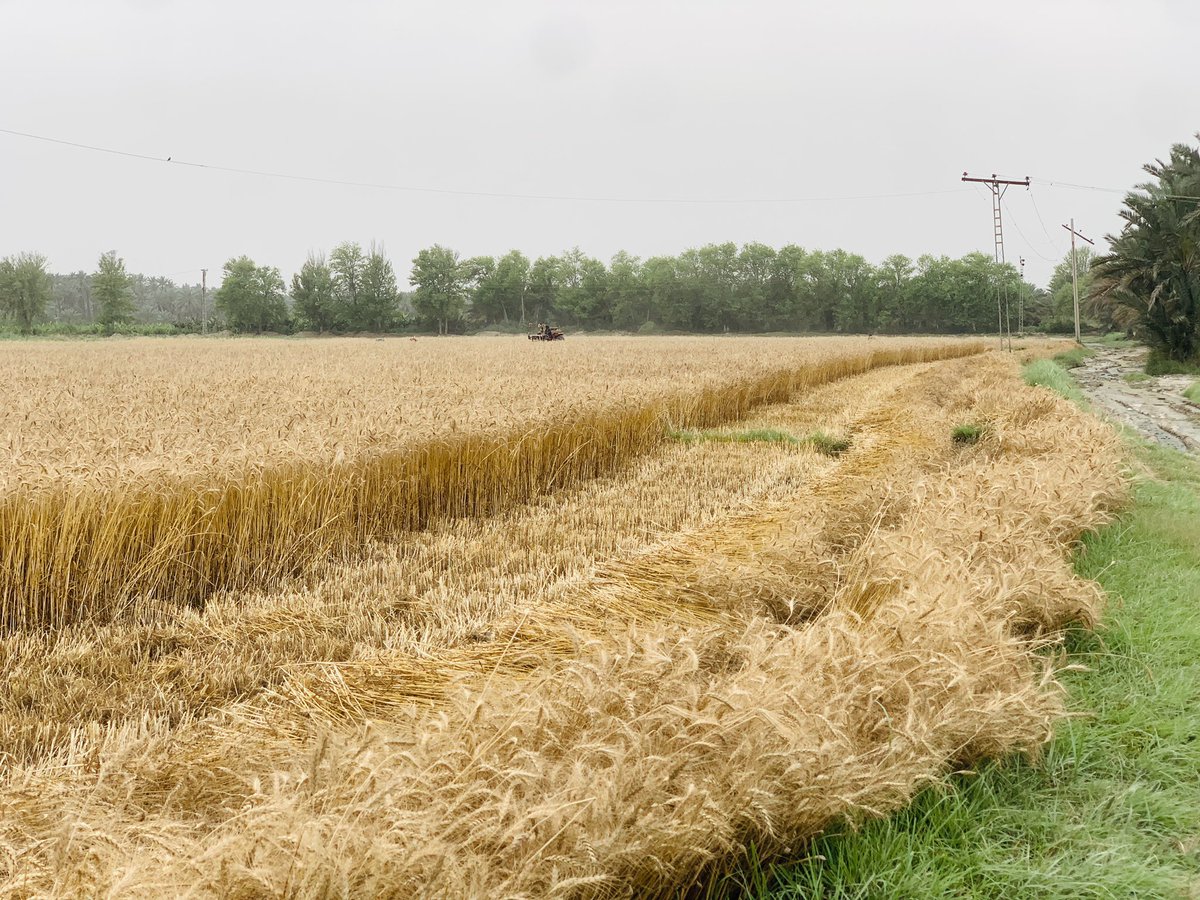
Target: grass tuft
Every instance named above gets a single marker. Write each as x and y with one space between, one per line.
1193 393
829 444
1136 377
968 434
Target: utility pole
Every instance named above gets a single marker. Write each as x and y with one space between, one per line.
1075 274
998 186
203 305
1021 302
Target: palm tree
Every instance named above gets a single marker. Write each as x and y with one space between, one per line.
1151 279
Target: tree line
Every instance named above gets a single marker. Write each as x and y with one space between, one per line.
715 288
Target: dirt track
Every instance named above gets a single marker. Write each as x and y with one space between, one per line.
1155 408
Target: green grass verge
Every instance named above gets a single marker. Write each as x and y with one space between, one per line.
1115 339
1135 377
1049 374
1073 358
1113 807
1193 393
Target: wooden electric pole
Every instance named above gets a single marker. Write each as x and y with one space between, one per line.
1075 274
998 186
203 305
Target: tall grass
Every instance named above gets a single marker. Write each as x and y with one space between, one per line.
89 550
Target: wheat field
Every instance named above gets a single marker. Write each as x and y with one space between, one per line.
169 470
617 688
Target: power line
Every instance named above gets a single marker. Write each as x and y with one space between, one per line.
1049 182
313 179
1021 232
1049 237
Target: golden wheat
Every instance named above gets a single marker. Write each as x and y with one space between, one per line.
615 691
213 468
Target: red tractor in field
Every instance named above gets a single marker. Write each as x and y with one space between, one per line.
547 333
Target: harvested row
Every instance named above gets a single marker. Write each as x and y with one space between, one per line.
445 588
628 760
72 550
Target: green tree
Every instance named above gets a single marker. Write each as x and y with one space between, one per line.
378 304
347 262
440 297
478 274
892 278
543 286
313 294
1062 297
252 297
629 295
113 290
1151 277
583 289
25 289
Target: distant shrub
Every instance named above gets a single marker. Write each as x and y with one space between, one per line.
1158 363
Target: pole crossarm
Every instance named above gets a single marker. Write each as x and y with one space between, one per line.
1078 235
1025 182
998 186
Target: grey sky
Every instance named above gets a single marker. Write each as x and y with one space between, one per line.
697 99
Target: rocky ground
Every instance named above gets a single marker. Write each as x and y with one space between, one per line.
1154 407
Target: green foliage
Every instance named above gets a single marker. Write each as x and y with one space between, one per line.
1049 374
313 295
1160 363
25 289
721 287
1113 807
1135 377
113 290
829 444
377 308
1151 279
252 297
440 299
967 434
1193 392
1061 299
94 330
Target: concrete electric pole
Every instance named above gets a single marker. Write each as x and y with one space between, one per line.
998 186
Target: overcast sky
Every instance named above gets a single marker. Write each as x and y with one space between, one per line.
642 101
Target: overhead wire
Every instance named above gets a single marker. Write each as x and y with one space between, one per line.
1042 222
1020 231
261 173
